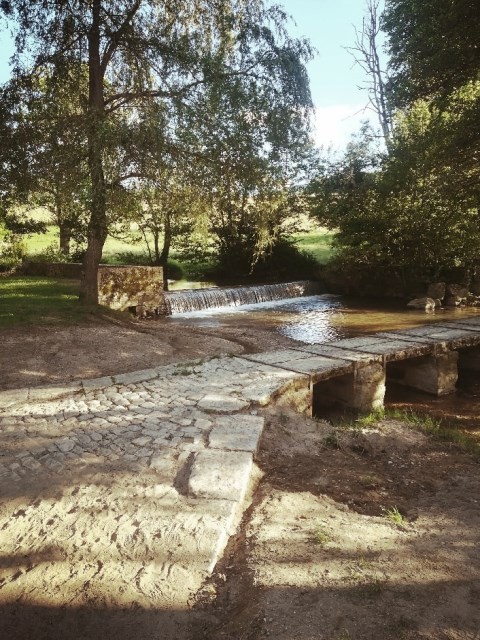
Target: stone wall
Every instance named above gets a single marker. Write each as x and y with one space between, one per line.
123 287
53 269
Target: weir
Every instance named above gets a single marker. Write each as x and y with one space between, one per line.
215 298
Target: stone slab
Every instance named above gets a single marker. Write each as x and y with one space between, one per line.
390 348
473 321
97 383
316 366
222 403
54 391
441 336
220 475
332 351
236 433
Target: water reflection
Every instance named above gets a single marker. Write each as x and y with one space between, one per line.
317 319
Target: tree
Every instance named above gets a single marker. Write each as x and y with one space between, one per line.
399 214
49 167
366 52
138 52
433 47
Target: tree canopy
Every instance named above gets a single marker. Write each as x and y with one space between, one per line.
167 53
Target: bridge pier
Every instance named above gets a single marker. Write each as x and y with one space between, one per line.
363 390
435 374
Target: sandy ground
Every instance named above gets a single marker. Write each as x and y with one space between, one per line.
316 556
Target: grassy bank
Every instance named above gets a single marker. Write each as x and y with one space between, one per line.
29 300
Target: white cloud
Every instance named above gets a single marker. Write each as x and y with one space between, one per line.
334 125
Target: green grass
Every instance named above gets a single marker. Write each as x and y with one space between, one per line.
438 429
319 535
317 243
32 300
395 517
38 242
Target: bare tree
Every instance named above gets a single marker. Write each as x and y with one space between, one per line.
366 54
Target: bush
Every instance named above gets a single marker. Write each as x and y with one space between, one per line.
52 253
286 261
175 270
12 250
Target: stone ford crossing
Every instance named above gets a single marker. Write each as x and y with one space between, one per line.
120 493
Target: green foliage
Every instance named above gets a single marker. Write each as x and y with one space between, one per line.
433 47
12 249
407 215
203 99
439 429
51 253
320 535
395 517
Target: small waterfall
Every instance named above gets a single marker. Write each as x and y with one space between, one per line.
215 298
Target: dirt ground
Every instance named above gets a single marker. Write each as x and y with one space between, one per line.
352 534
32 356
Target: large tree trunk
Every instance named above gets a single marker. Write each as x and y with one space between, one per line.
97 227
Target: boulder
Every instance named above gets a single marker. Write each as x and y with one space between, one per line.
457 290
453 301
427 304
437 290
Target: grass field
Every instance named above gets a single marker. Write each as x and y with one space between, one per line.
316 242
38 242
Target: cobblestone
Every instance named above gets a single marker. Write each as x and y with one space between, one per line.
158 448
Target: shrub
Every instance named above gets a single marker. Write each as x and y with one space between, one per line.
52 253
12 250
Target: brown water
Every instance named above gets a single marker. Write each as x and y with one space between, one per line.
459 410
318 319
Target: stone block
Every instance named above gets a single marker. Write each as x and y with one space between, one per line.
53 391
236 433
220 475
222 403
97 383
427 304
135 376
433 374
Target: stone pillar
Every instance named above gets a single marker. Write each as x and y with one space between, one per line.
363 391
433 374
469 359
369 387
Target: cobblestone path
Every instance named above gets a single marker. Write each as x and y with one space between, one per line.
124 491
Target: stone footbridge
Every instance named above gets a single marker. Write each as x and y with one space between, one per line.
121 492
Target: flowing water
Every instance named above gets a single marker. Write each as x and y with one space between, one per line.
318 319
186 301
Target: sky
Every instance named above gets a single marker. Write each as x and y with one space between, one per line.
334 78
